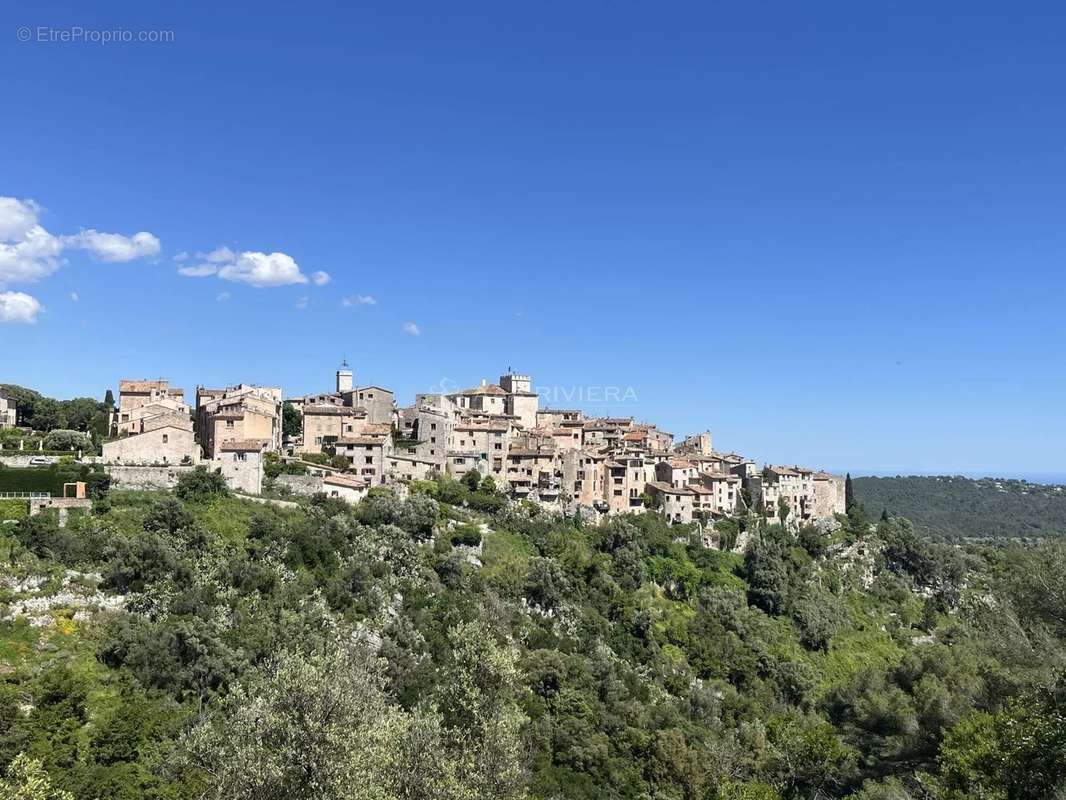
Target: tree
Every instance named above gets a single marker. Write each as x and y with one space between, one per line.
61 439
849 493
27 780
46 415
316 722
201 486
79 413
472 479
109 399
488 485
291 420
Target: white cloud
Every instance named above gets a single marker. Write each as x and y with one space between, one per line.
412 328
320 278
74 296
114 247
302 303
29 253
263 269
182 256
223 297
220 255
359 300
17 217
18 307
198 271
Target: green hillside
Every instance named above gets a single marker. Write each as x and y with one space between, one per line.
956 507
196 645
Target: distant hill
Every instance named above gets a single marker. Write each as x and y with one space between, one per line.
953 506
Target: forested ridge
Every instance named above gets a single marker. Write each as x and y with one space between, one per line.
194 644
954 507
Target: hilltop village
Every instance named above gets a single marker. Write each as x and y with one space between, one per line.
347 441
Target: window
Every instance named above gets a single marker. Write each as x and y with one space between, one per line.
369 459
433 426
166 438
432 439
229 423
617 492
499 446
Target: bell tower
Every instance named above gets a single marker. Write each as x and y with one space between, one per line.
344 377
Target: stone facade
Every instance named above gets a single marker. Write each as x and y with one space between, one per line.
166 444
238 413
8 412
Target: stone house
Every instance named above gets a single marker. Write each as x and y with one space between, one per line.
487 398
520 401
240 462
829 496
238 413
533 470
367 454
166 444
8 412
141 398
325 423
401 467
491 439
675 503
604 433
380 404
345 487
584 477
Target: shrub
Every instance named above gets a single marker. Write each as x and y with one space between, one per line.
201 486
62 439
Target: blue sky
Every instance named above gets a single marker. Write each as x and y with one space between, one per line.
832 234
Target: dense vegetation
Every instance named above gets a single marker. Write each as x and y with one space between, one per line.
954 507
420 649
45 414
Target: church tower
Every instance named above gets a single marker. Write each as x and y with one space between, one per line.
344 378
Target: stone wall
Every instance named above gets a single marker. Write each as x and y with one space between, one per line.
145 478
300 484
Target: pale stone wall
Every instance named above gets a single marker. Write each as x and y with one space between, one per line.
380 404
8 415
167 445
828 495
145 478
243 470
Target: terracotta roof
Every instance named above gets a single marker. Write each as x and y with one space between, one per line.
666 488
490 388
324 409
367 439
238 445
344 480
715 476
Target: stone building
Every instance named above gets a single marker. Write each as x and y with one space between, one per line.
699 444
367 453
345 487
676 503
490 439
379 403
240 462
168 443
829 497
520 400
8 412
325 423
238 413
138 399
